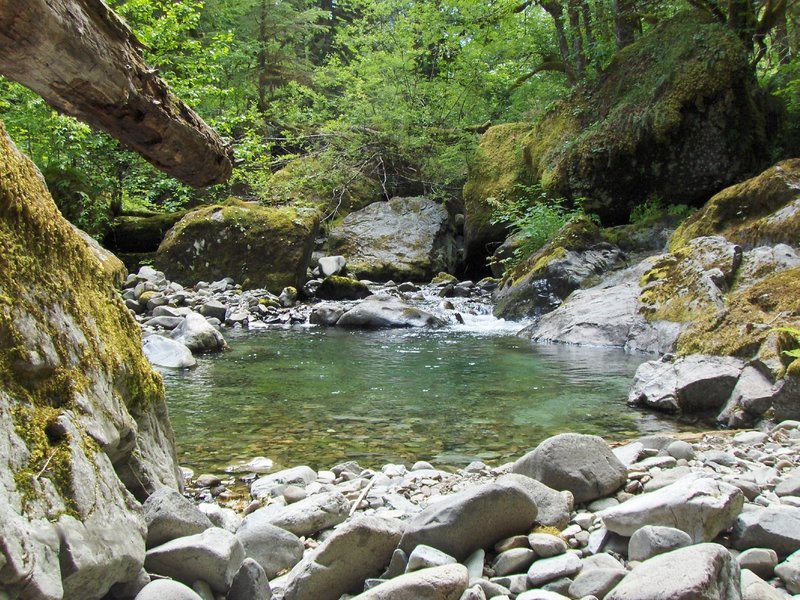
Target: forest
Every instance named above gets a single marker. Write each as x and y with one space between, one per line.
395 90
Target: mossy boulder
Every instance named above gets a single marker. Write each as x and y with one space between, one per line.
139 234
259 246
336 287
676 115
83 421
335 188
495 173
574 257
408 239
764 210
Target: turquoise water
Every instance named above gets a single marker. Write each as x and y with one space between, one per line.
320 396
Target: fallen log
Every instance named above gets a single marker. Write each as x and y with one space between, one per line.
84 61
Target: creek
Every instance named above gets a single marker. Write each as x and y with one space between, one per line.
471 391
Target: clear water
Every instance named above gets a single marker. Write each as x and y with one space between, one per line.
321 396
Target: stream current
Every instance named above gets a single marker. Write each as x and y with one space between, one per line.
470 391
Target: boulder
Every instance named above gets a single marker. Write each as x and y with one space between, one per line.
387 311
554 506
448 582
476 518
213 309
306 517
582 464
259 246
546 545
495 174
332 265
83 421
545 570
360 549
650 540
165 352
764 260
167 589
273 485
775 527
214 556
198 335
406 239
761 561
707 572
690 384
515 560
170 516
424 557
113 268
138 234
335 287
588 146
697 505
595 582
753 395
326 314
789 572
755 588
272 547
249 583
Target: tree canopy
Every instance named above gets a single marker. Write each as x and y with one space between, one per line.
397 89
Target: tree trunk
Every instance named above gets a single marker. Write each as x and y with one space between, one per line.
578 54
555 10
625 20
83 60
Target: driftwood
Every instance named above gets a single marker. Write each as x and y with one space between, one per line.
84 61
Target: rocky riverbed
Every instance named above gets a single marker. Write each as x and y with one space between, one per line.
575 518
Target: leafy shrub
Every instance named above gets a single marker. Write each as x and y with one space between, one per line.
81 203
654 209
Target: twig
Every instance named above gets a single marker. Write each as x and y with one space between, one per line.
362 496
47 462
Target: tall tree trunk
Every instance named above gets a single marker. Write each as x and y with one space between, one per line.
554 9
83 60
578 55
625 21
263 80
588 27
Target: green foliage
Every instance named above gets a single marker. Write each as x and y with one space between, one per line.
654 209
533 218
792 331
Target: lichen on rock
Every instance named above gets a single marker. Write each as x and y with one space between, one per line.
84 418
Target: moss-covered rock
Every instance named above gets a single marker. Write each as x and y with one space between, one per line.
336 287
574 257
82 413
495 172
256 245
338 189
675 115
764 210
138 234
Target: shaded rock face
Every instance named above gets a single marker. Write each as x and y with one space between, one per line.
83 422
495 174
405 238
691 134
140 234
257 245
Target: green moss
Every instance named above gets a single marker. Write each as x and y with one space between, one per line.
748 320
268 247
336 287
742 212
444 278
48 276
617 140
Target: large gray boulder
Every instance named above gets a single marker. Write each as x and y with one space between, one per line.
446 582
170 516
695 383
274 548
776 527
165 352
249 583
406 239
697 505
273 485
306 517
700 572
472 519
651 540
554 506
198 335
359 550
582 464
167 589
387 311
755 588
789 572
213 556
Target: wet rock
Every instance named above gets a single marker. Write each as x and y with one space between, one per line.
165 352
707 572
198 335
359 550
582 464
274 548
170 516
213 556
447 582
472 519
699 506
651 540
387 311
326 314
